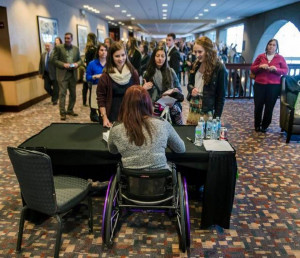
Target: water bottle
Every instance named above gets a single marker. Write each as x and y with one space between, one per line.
214 130
199 134
218 127
209 127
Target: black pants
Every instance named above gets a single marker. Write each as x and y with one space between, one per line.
51 86
265 97
85 89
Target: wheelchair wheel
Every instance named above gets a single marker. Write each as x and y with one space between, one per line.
181 215
111 212
187 214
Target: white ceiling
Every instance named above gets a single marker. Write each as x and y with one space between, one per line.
148 14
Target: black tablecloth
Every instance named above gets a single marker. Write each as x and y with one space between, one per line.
82 145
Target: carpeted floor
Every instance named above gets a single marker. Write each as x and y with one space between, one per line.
265 220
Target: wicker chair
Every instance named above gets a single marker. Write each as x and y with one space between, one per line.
45 193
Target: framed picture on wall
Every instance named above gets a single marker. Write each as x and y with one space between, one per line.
48 31
81 37
100 35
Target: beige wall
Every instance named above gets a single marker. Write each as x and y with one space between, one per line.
24 43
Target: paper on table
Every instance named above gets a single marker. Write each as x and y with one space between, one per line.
105 135
216 145
166 101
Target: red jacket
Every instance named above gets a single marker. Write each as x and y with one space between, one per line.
264 76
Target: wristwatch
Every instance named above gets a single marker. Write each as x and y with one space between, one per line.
102 115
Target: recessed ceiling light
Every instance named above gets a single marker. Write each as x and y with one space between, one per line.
164 10
196 18
228 17
164 5
117 5
129 27
109 17
213 4
222 20
124 11
164 18
132 18
120 22
128 15
85 6
200 14
205 10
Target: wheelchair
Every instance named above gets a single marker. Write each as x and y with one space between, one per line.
151 191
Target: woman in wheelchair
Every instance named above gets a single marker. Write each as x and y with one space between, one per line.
144 181
161 80
140 138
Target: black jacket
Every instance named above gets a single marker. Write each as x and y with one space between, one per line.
213 92
174 60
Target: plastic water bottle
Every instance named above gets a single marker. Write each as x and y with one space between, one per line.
209 127
218 127
199 134
214 129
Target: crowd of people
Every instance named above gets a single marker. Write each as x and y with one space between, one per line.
113 67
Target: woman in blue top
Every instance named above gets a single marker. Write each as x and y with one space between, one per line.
93 73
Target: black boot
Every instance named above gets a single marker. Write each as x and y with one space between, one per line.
94 115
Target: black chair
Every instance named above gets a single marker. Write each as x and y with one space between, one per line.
289 121
45 193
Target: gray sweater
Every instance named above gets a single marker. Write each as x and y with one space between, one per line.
151 155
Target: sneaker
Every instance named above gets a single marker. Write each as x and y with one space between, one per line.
63 117
71 113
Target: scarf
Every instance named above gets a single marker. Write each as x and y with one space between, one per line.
123 77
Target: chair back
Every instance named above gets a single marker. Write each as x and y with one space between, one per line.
290 88
34 173
146 185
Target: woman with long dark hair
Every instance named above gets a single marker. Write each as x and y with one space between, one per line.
161 80
268 68
207 82
118 75
134 54
140 138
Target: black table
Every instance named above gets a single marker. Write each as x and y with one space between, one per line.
81 146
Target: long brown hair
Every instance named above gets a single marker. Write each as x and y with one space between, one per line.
110 64
133 46
210 59
135 111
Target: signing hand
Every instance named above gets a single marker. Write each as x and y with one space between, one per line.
147 85
96 76
272 68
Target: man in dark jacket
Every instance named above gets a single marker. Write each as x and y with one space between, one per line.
47 71
173 54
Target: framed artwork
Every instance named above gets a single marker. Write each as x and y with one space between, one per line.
100 35
81 38
48 30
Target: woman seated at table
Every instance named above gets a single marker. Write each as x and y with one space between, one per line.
161 80
140 138
118 75
93 73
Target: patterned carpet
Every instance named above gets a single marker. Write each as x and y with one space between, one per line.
265 220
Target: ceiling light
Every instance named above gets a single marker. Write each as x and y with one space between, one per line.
164 10
205 10
117 5
164 14
85 6
228 17
164 5
132 18
164 18
200 14
222 20
123 11
97 11
129 27
128 15
196 18
109 17
213 4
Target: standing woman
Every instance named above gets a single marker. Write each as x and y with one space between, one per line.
57 41
161 80
90 52
145 57
118 75
134 54
93 74
108 42
207 82
268 69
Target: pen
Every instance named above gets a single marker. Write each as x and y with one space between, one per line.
189 139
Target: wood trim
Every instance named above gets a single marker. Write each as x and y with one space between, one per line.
23 106
9 78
